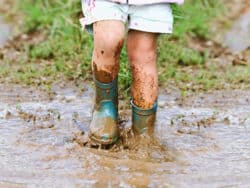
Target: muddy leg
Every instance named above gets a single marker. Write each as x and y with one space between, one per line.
108 42
141 48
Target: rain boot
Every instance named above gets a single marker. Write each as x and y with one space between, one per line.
103 127
143 119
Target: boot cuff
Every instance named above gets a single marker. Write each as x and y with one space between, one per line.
144 112
106 85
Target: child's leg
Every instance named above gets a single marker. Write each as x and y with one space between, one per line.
142 54
145 23
108 42
106 21
141 48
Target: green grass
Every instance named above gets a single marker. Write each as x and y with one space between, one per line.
65 51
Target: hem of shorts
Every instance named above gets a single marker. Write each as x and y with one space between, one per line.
102 19
155 26
151 30
88 26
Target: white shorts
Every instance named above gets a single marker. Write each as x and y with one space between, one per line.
155 18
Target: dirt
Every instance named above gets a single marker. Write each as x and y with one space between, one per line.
201 140
105 75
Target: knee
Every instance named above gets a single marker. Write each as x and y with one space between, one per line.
142 54
108 45
142 60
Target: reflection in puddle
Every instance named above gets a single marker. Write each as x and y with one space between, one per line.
205 141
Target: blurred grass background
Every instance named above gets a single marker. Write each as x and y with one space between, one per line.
64 49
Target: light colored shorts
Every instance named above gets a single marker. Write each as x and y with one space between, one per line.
155 18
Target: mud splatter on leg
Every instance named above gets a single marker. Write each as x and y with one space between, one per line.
107 48
141 48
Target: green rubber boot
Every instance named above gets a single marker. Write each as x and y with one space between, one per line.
143 119
103 127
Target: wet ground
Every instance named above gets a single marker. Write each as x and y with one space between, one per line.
204 142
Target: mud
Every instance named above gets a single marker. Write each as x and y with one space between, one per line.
106 74
5 32
144 87
202 141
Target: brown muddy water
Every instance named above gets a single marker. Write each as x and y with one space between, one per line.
204 141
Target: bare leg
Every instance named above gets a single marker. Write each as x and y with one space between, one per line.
142 54
108 42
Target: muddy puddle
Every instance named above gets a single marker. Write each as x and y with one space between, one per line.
204 141
5 32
